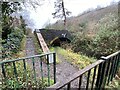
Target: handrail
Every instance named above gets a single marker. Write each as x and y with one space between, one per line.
76 75
34 69
111 55
42 43
7 61
105 73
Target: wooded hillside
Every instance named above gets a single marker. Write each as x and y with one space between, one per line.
95 32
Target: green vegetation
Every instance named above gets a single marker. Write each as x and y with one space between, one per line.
38 50
11 81
114 84
21 52
78 60
105 42
95 33
45 82
13 44
13 31
0 41
107 39
22 81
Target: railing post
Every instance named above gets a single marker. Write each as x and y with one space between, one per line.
15 72
110 69
25 71
54 66
41 69
107 66
48 68
4 74
3 70
104 70
117 66
80 82
68 86
98 76
88 78
93 77
113 69
33 62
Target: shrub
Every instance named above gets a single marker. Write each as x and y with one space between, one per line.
107 39
83 26
13 42
81 44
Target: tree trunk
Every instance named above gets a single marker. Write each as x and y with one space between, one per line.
64 14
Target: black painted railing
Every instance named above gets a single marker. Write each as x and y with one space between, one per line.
99 74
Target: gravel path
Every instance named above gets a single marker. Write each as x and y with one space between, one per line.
30 50
63 69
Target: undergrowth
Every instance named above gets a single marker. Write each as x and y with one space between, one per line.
26 78
22 52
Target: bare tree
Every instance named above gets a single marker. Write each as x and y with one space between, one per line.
27 3
60 11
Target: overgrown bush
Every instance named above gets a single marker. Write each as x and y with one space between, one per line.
82 26
13 42
81 44
106 41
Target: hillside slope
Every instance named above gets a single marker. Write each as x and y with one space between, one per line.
87 21
95 33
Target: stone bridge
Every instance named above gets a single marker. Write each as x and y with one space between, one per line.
54 37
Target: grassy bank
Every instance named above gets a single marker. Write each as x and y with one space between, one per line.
78 60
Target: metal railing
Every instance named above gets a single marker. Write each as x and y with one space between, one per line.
98 74
29 67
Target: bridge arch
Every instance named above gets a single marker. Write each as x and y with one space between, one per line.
58 40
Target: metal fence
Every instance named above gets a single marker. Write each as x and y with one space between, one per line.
28 71
98 74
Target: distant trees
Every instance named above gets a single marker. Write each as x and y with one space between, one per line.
60 11
7 9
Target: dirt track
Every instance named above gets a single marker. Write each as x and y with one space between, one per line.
63 70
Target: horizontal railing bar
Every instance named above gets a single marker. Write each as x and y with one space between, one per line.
41 55
109 56
76 75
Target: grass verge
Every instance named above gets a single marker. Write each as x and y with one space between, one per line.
80 61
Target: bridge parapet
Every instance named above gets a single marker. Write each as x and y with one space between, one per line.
50 34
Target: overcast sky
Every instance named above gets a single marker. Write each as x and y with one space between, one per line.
43 14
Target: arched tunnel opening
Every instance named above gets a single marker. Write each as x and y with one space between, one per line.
59 40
